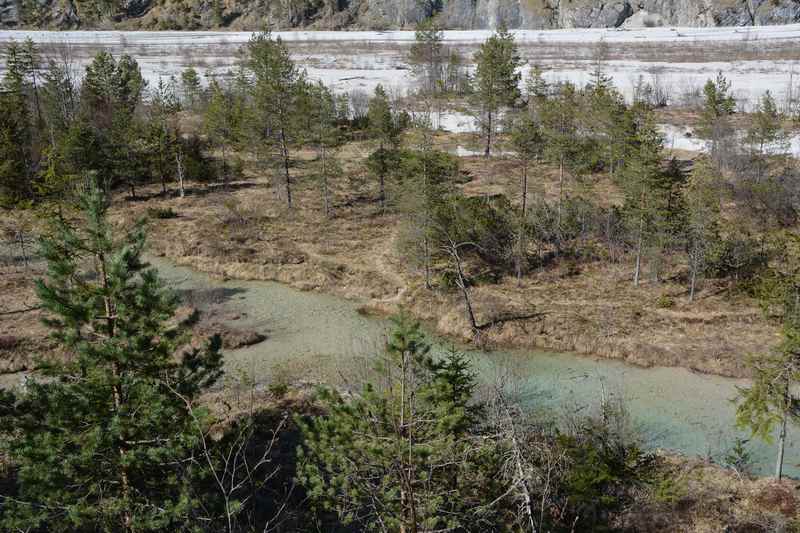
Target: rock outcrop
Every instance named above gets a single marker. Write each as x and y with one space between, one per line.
386 14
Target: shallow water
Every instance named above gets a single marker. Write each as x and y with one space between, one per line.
319 337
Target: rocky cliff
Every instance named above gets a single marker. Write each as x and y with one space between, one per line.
385 14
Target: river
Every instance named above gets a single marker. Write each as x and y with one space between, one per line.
317 337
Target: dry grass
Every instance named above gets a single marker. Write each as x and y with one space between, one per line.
705 498
592 309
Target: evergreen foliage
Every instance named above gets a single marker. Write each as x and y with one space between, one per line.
397 456
106 442
496 80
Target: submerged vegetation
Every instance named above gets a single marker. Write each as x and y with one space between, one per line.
122 429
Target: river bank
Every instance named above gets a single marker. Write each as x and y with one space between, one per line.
318 338
589 307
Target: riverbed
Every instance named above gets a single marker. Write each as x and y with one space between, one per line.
678 61
315 337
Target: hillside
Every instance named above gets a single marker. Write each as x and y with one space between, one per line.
386 14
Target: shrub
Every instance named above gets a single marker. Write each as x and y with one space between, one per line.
161 212
665 301
736 257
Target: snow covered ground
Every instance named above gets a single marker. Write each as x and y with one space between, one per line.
680 59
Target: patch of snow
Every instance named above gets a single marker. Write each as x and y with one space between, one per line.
455 122
681 138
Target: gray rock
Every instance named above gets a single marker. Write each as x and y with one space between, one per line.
9 13
593 14
390 14
136 8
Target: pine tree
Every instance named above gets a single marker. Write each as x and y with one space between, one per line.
162 134
771 401
385 127
719 103
643 184
398 456
426 55
111 89
325 135
559 120
536 86
111 92
224 117
528 142
106 442
276 92
190 86
766 135
16 131
496 80
702 201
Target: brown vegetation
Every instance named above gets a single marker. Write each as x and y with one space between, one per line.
590 308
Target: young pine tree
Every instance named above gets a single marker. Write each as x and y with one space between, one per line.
324 134
224 116
398 456
702 200
643 183
771 401
528 142
385 127
190 87
559 119
718 104
278 83
496 80
426 56
106 441
16 131
766 135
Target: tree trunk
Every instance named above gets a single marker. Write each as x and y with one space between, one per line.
224 168
117 396
382 178
639 243
325 196
560 190
427 251
782 440
694 280
524 189
488 151
285 154
179 168
462 284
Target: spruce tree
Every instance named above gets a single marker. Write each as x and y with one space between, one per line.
105 441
